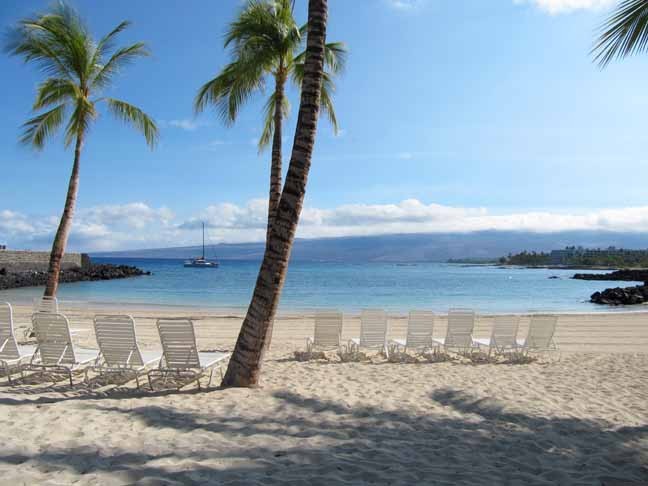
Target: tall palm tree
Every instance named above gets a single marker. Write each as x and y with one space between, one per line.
78 69
265 40
624 33
245 365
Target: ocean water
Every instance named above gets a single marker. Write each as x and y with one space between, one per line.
348 287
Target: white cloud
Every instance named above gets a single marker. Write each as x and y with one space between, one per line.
187 124
563 6
406 4
138 225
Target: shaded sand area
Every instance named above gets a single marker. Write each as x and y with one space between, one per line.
580 417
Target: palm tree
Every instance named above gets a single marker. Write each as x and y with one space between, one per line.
624 33
265 39
78 68
245 365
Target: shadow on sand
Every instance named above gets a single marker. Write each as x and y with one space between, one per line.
464 440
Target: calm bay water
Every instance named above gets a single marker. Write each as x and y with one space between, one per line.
349 287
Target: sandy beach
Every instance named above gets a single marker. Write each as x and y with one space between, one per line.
576 417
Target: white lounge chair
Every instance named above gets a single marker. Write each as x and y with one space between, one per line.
373 331
328 331
46 304
540 336
118 349
54 348
180 353
420 325
11 353
461 323
503 336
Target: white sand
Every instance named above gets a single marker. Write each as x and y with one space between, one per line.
577 418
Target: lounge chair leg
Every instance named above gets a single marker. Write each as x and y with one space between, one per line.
137 380
149 380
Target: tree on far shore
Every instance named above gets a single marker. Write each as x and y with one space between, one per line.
265 40
78 69
624 32
245 365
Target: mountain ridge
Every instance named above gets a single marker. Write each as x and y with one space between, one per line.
418 247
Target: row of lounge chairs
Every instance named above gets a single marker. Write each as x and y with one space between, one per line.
118 351
420 333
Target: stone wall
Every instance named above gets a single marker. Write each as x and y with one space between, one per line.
21 261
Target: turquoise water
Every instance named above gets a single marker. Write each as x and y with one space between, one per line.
349 287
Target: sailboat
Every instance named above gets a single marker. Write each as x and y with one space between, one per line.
201 262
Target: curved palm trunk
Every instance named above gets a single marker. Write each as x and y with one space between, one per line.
63 232
245 365
275 165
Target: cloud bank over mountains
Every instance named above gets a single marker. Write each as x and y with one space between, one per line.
139 225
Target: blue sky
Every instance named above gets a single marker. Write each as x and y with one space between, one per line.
456 116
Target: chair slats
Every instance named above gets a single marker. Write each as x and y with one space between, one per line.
420 325
178 343
328 328
117 342
8 345
53 336
373 328
461 323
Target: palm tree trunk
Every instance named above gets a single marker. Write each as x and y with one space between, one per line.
245 365
63 232
275 165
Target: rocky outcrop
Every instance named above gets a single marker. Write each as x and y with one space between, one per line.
10 280
621 296
625 275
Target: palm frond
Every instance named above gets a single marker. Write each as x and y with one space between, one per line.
269 121
326 102
136 117
106 43
335 57
228 91
122 57
79 123
624 33
38 129
55 90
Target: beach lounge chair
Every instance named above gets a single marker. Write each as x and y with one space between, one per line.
420 325
180 353
118 349
461 323
46 304
373 331
54 350
540 336
503 336
328 331
11 353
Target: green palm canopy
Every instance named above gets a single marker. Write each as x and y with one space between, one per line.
624 32
78 69
266 42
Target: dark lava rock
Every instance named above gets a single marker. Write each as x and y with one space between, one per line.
553 277
10 280
621 296
625 275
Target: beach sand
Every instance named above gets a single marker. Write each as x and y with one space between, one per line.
576 417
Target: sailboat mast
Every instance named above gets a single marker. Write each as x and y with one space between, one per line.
203 253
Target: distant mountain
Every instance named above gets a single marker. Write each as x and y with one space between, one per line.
436 247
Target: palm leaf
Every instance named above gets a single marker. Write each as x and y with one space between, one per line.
136 117
38 129
55 90
624 33
117 61
269 121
